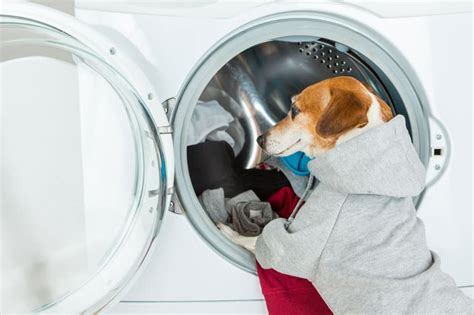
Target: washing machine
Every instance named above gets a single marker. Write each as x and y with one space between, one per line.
98 209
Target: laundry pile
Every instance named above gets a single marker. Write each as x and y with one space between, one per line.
247 199
232 195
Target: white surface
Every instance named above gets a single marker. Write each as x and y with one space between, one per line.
228 8
218 9
169 53
184 268
109 162
203 307
469 291
43 238
407 8
69 178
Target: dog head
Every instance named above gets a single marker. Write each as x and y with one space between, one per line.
324 115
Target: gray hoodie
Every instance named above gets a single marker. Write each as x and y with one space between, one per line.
358 239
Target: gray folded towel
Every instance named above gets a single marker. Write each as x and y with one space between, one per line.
218 207
249 218
245 196
245 213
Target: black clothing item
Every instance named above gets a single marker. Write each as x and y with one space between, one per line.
263 182
212 165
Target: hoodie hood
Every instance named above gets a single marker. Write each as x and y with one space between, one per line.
381 161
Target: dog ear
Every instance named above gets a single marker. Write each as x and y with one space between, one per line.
387 113
345 110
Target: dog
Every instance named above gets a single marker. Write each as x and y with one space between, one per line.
357 237
321 117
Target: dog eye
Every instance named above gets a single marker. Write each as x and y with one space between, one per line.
294 111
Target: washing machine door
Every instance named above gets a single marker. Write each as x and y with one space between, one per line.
86 164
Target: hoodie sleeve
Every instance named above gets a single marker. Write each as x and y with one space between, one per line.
292 253
297 251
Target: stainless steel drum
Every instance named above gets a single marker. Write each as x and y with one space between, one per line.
256 86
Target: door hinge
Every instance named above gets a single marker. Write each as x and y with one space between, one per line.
175 205
168 106
165 130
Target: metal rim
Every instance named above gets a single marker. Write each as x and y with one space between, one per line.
353 34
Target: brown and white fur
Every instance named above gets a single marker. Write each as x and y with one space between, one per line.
321 117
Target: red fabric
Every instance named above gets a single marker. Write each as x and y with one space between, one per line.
286 294
283 201
290 295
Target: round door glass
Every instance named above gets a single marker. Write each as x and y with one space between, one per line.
73 167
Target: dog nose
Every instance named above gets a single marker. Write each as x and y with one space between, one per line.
261 140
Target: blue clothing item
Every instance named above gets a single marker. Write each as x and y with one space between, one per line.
297 163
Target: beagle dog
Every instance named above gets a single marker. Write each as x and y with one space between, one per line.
321 117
